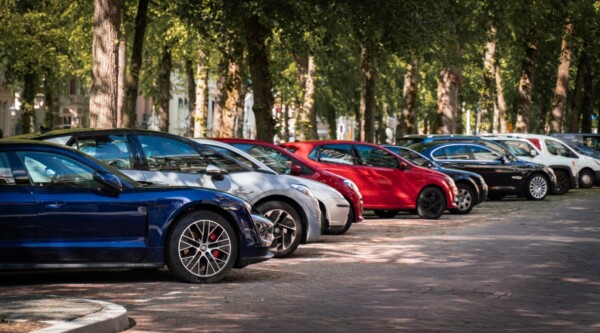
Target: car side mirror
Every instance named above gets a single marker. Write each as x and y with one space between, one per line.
296 170
215 172
534 153
403 165
109 181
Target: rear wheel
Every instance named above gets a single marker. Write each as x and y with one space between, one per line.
387 213
586 179
563 182
287 227
536 187
465 200
201 248
431 203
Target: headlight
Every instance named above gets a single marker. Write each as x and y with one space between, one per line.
264 228
303 189
350 184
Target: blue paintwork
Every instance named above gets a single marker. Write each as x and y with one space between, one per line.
93 227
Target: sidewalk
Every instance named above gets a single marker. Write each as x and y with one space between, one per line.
63 315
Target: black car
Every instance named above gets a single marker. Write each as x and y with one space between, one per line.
472 189
504 174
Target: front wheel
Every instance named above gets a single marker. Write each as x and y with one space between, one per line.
287 227
563 182
431 203
201 248
464 200
536 187
586 179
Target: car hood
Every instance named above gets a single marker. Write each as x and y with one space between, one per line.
321 191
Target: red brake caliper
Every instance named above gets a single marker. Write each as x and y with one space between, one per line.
213 237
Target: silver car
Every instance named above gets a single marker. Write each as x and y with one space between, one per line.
334 207
162 158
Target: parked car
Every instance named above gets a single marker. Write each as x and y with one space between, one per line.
168 159
591 140
586 169
565 172
335 209
284 162
472 189
63 209
387 182
504 174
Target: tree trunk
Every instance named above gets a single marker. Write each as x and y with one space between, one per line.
220 97
408 123
309 97
135 66
302 125
501 101
191 92
559 103
164 89
27 122
121 80
578 91
587 103
448 100
105 63
201 105
258 58
132 81
234 97
489 76
369 77
526 87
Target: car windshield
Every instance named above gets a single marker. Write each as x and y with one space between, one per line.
113 170
587 151
273 158
413 157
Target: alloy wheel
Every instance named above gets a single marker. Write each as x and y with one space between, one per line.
538 187
464 200
284 229
204 248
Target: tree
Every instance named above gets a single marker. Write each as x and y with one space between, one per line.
559 103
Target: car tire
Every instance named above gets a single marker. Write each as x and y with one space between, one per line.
386 213
586 179
465 199
201 247
536 187
431 203
287 227
563 182
346 227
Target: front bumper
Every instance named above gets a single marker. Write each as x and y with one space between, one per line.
261 255
336 212
597 178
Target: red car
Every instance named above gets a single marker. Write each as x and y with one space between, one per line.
388 182
284 162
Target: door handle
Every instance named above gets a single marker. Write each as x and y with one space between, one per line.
54 204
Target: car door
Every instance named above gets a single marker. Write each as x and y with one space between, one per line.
502 173
18 217
390 184
77 221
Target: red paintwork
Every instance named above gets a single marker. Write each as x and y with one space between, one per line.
320 174
381 188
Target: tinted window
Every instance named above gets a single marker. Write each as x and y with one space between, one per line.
6 176
110 149
415 158
483 154
374 156
46 169
277 161
518 148
456 152
341 154
165 154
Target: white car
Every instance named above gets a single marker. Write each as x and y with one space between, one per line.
334 207
550 151
162 158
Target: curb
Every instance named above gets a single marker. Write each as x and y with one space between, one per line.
111 318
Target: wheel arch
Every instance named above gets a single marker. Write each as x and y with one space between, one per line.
470 182
433 186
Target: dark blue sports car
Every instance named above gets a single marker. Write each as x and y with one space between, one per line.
60 208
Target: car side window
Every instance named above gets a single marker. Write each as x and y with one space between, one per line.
6 176
341 154
518 148
47 169
456 152
166 154
558 149
374 156
110 149
483 154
